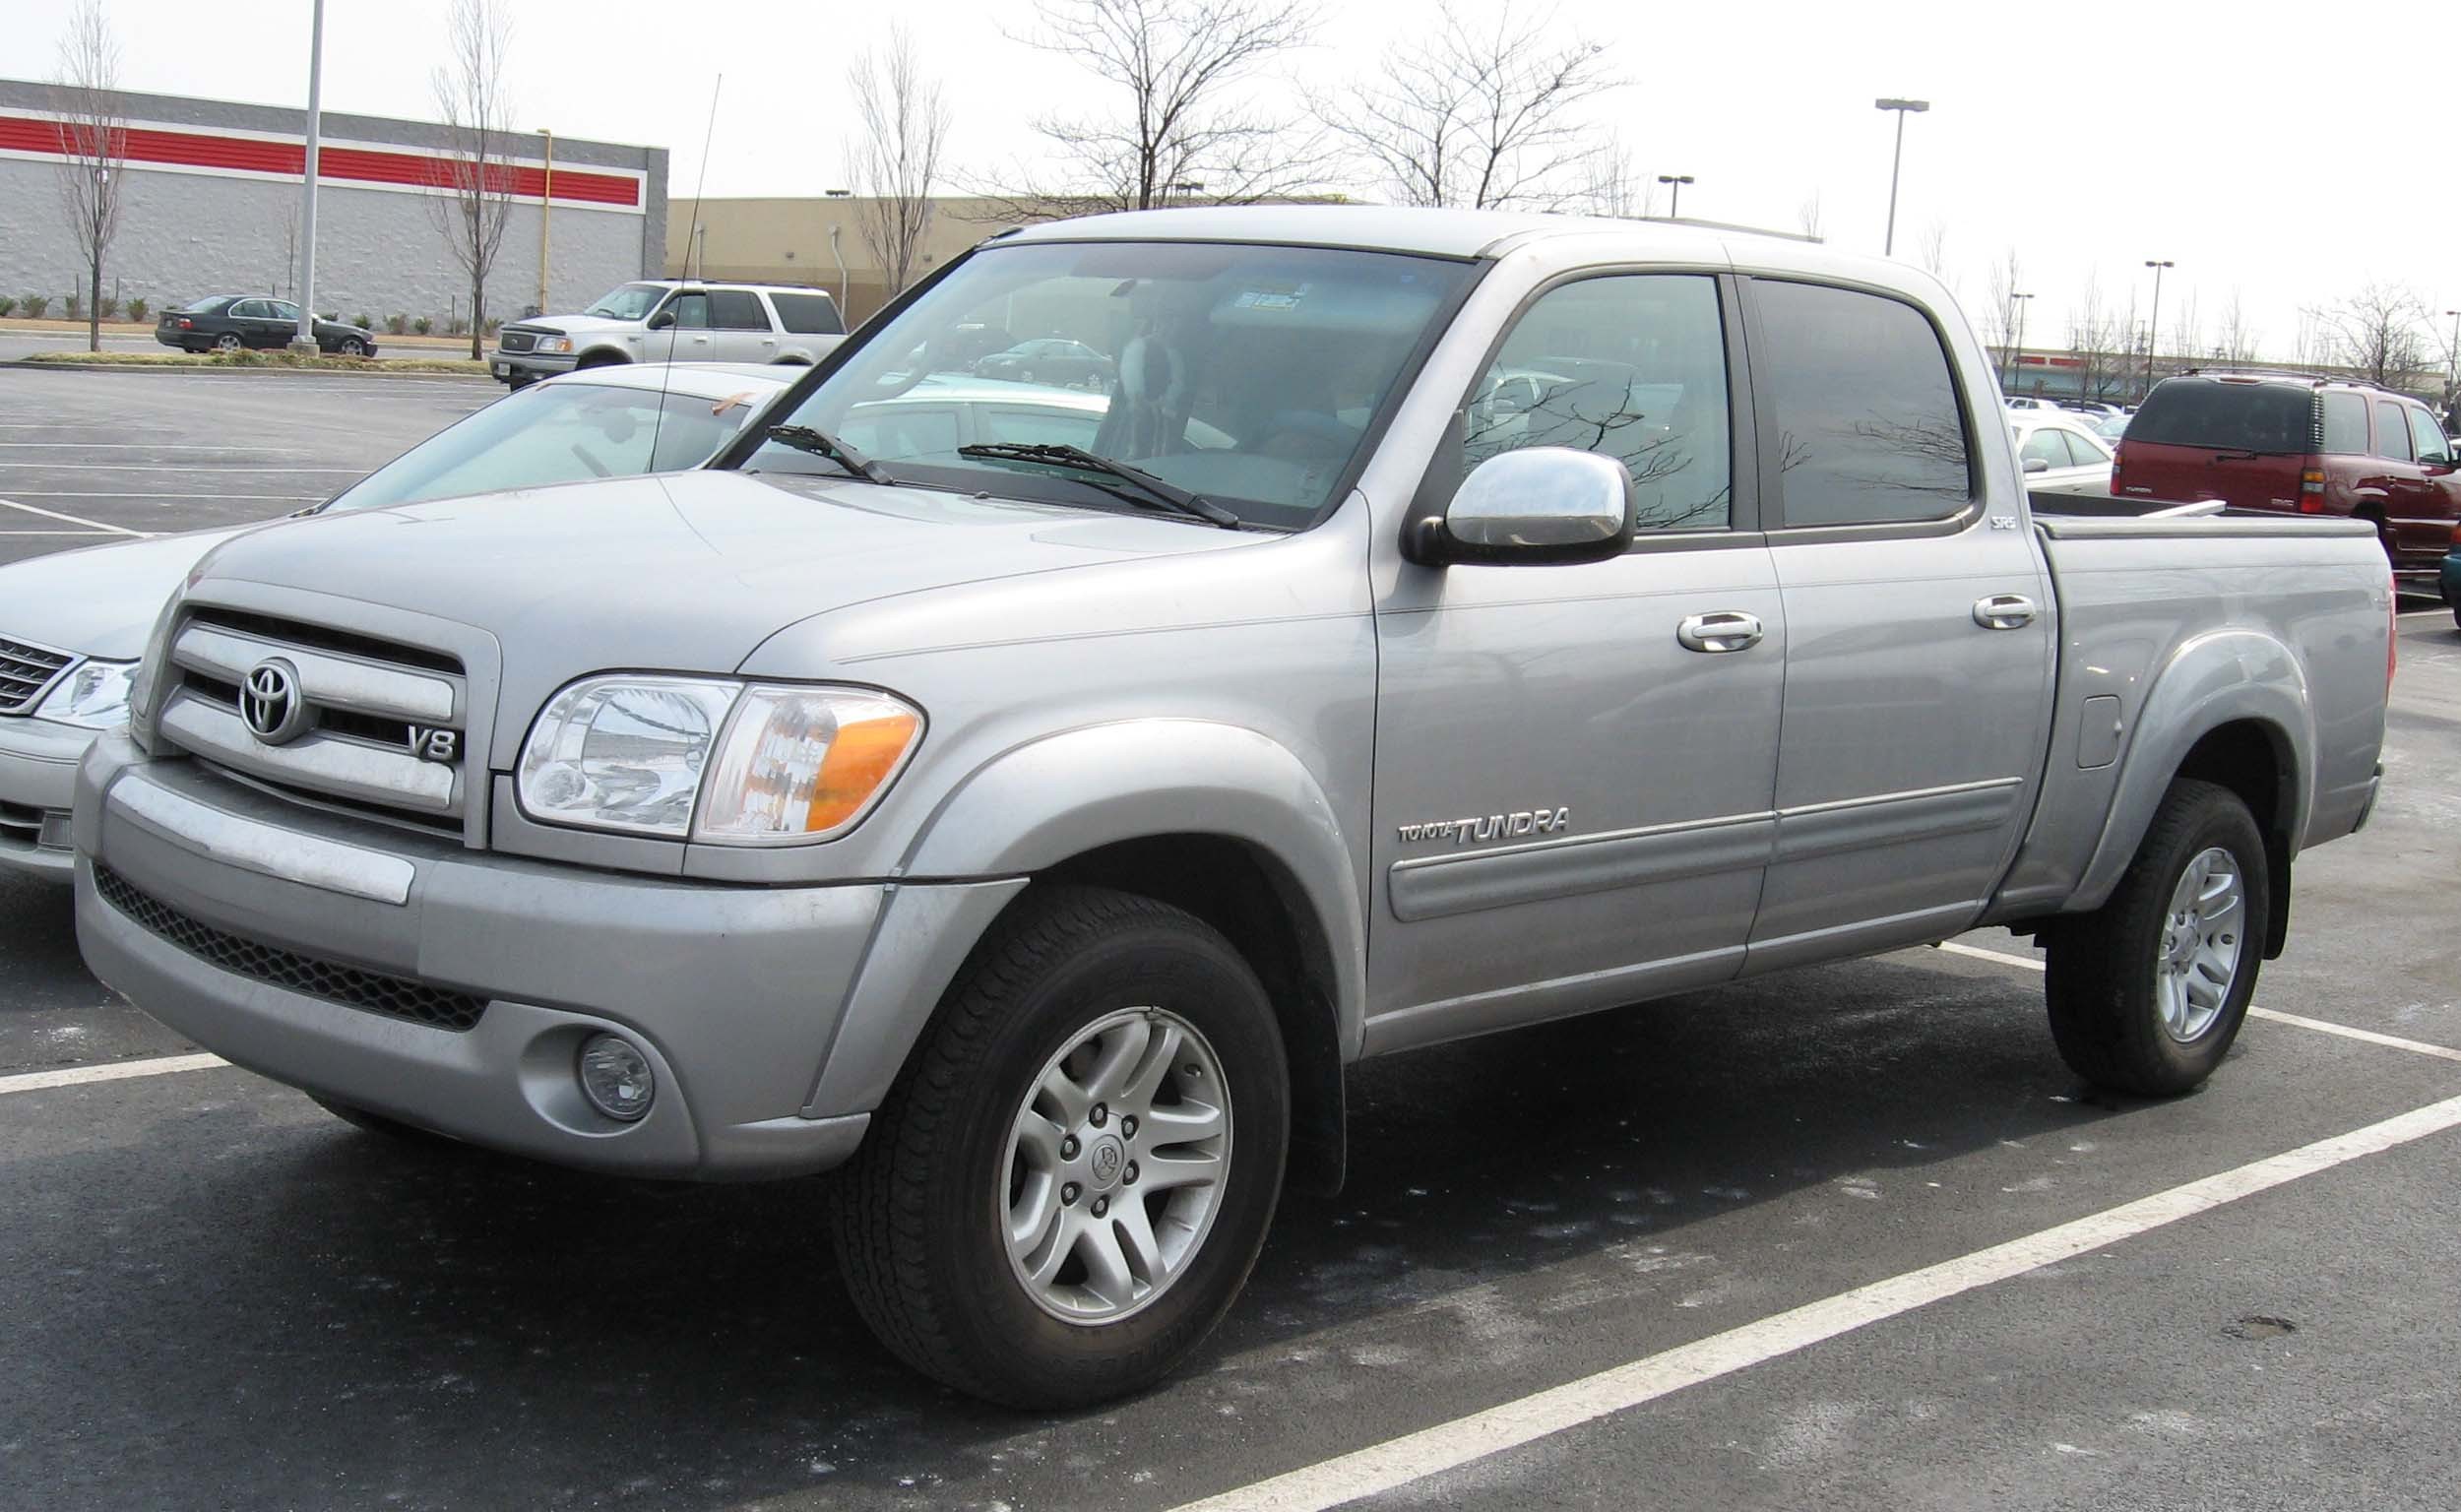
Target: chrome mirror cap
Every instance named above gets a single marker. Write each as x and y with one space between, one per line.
1536 506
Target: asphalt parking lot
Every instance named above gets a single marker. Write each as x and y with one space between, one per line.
1852 1237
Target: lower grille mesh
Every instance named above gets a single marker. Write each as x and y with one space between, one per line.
394 996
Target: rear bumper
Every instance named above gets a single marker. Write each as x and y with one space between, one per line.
37 782
738 996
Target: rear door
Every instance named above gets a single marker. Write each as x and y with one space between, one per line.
2415 527
739 329
1572 805
1920 628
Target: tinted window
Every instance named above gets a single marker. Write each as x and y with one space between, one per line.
808 314
691 312
249 309
1869 429
2429 435
204 306
1632 368
289 312
736 309
2345 421
2275 417
2392 432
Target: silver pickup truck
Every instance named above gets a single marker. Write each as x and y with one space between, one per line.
1445 622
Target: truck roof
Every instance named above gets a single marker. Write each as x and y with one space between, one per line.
1461 233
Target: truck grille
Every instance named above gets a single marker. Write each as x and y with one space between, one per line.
395 996
514 338
368 735
26 672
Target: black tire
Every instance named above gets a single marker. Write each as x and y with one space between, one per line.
600 359
350 346
2100 967
916 1217
230 341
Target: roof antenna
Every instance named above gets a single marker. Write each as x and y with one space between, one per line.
666 374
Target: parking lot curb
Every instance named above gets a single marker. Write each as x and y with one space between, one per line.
377 371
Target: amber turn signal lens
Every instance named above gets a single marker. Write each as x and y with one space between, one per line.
859 760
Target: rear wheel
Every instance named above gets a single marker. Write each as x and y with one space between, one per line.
228 340
2147 992
1067 1186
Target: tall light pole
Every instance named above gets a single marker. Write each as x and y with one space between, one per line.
2016 350
304 338
1674 205
1895 158
546 215
2152 323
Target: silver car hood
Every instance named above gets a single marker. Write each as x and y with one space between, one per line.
101 601
578 325
681 572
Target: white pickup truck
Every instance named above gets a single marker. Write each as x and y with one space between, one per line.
1442 622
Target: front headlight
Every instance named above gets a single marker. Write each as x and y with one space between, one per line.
94 696
712 760
554 344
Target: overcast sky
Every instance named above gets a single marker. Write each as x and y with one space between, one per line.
2286 154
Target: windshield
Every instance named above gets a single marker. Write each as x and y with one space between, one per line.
558 433
628 301
1250 376
2227 417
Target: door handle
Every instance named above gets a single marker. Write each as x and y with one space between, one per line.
2003 611
1723 630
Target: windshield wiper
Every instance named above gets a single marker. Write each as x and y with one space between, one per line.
1154 490
807 438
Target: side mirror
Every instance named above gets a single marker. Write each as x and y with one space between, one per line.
1540 506
660 320
2037 464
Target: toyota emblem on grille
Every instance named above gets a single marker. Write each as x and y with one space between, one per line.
270 703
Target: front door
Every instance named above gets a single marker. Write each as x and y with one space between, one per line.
1572 805
1920 629
688 339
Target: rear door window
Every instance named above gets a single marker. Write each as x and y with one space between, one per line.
736 309
2345 422
2392 432
2207 413
1868 428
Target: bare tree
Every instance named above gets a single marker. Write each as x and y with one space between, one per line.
1178 109
2379 331
2000 321
896 155
2098 340
1807 214
1475 114
93 147
1934 253
477 178
2235 340
2187 331
1611 185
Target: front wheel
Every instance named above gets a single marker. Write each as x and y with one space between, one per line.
1065 1189
352 347
2147 992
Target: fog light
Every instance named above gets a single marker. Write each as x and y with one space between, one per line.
615 1078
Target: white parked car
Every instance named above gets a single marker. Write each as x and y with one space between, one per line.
2061 453
663 319
72 624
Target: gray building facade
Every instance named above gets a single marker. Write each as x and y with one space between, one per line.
211 206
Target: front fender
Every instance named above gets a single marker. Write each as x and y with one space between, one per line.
2209 681
1038 804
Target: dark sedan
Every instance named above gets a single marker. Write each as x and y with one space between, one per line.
1049 360
232 322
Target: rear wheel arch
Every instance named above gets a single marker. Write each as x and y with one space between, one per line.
2254 759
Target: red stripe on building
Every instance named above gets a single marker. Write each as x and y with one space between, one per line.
345 164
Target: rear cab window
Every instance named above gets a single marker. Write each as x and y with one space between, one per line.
2212 414
1864 404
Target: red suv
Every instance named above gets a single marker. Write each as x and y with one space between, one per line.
2310 446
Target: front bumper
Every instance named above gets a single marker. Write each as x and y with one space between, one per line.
738 996
37 782
2450 580
509 366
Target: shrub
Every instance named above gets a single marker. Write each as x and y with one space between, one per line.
138 310
423 325
364 321
36 304
494 325
109 308
457 326
397 322
76 307
8 302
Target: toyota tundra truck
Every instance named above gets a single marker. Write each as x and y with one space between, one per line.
1031 805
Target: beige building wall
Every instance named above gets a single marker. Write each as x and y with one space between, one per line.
803 241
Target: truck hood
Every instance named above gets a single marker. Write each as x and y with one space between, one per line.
578 325
102 600
680 572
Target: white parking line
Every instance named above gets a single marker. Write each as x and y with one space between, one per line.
54 514
2271 1015
148 493
1449 1446
72 534
113 1071
217 467
142 446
